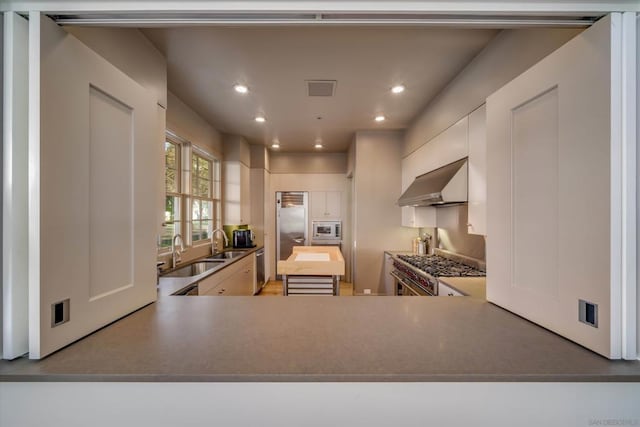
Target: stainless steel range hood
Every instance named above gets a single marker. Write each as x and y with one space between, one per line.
444 186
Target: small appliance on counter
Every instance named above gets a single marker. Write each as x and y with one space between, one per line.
243 239
229 229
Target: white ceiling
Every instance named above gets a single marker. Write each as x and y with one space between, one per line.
204 63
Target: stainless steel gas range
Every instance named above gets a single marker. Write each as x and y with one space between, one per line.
417 275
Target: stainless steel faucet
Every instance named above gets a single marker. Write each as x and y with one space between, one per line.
175 253
214 242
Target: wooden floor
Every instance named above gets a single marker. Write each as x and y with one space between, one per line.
274 289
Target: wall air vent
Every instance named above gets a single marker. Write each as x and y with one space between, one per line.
321 87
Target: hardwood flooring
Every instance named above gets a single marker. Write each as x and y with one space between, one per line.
274 289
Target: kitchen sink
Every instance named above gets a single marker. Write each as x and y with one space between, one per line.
226 255
195 268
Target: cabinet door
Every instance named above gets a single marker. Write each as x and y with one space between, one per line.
245 194
237 195
207 286
552 161
418 217
318 201
389 281
477 216
446 291
333 205
326 205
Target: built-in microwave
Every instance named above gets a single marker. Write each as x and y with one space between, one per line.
327 230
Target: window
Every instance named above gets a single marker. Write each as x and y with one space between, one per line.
172 211
192 184
202 198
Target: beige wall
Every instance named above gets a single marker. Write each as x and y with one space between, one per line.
308 163
130 51
377 186
453 235
260 157
187 124
508 55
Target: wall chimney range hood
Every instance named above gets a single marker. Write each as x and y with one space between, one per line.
443 186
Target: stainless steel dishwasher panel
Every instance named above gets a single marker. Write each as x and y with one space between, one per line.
260 279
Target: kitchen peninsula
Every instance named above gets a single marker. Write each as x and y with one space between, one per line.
312 270
440 339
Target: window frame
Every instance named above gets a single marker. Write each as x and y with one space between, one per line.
178 194
195 177
185 194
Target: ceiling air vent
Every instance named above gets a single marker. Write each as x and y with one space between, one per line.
321 87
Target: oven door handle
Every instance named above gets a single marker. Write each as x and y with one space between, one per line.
404 283
407 285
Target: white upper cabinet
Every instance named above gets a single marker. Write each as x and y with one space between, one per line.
237 196
326 205
418 217
477 223
445 148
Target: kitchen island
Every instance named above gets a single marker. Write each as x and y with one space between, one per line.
312 270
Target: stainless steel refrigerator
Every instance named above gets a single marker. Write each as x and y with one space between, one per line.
291 222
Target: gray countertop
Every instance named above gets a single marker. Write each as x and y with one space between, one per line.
170 285
461 339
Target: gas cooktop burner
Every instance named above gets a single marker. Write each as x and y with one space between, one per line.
438 266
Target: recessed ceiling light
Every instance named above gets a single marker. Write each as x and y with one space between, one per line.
380 118
260 119
398 89
241 88
275 144
318 145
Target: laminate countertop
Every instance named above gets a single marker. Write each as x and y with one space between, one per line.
209 339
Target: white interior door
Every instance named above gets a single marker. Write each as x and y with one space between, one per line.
554 208
96 178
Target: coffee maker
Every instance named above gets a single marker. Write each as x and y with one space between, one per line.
243 239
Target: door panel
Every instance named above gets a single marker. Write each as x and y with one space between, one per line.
549 182
111 192
98 158
535 192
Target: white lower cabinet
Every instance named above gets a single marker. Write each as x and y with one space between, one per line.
389 281
236 280
447 291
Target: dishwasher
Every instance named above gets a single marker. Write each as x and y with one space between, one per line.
190 291
260 280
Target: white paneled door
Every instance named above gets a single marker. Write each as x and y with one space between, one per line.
554 182
94 219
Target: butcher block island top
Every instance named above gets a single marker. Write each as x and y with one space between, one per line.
313 261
